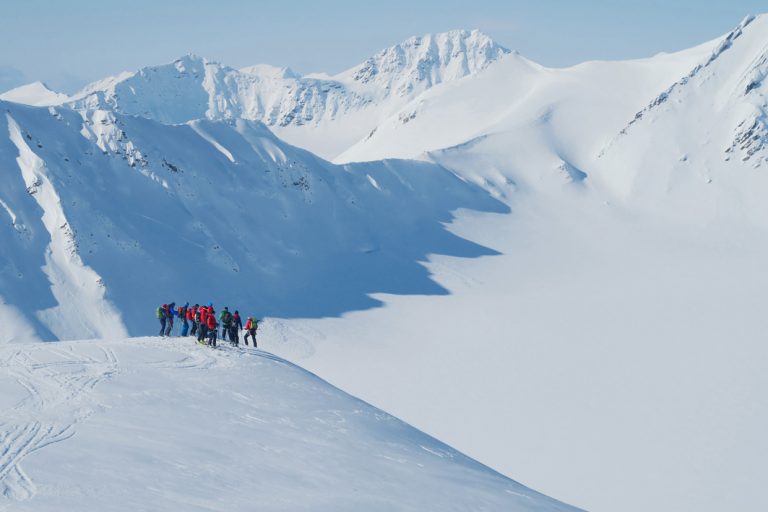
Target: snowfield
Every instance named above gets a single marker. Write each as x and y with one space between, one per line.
166 424
559 272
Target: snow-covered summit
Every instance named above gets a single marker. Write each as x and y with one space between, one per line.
423 61
36 93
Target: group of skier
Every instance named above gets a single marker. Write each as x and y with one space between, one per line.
201 321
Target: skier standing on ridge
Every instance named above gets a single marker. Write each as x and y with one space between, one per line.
212 331
170 312
191 320
226 322
161 316
195 319
237 325
183 315
202 325
234 339
250 327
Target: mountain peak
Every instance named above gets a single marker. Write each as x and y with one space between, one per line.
191 60
420 62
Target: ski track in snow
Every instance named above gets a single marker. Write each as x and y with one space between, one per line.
58 398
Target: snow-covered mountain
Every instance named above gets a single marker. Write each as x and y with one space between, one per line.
349 104
703 141
194 88
618 325
419 63
151 424
37 94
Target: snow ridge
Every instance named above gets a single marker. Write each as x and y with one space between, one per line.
725 44
37 94
424 61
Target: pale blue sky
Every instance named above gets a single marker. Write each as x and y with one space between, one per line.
68 43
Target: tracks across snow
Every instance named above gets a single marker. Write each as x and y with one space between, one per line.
167 424
52 390
54 384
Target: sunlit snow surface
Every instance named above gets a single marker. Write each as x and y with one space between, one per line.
609 353
166 424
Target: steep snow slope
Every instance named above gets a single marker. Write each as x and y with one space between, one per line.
701 143
150 424
132 211
324 115
36 94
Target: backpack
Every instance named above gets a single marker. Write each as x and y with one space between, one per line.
160 312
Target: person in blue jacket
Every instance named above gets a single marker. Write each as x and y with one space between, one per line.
170 313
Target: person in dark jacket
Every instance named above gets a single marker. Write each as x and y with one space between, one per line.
161 316
185 322
170 312
226 321
195 313
234 339
237 326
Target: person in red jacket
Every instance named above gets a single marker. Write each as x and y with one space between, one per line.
210 319
202 333
250 329
191 319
